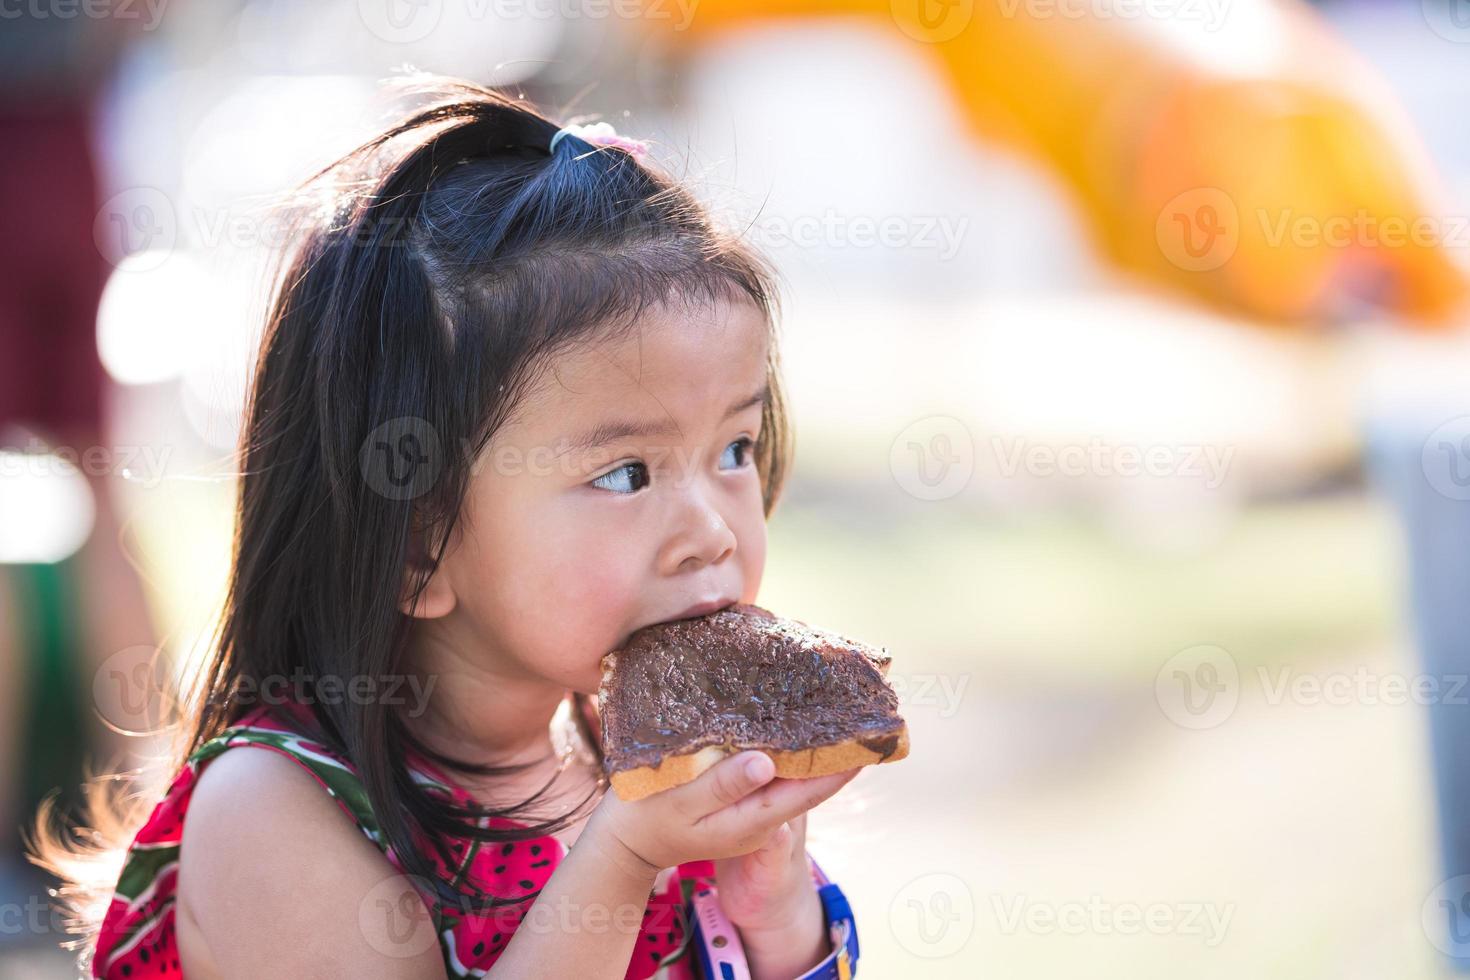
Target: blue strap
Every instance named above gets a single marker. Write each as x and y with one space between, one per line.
841 963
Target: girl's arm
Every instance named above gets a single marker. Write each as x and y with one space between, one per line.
275 880
586 920
278 882
792 948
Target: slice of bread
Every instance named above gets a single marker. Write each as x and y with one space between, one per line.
680 696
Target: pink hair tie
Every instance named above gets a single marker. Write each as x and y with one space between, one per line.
600 134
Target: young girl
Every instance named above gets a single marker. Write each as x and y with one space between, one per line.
516 399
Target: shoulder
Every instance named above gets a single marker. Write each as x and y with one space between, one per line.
273 871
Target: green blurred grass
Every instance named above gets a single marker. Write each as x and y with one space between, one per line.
1312 823
944 587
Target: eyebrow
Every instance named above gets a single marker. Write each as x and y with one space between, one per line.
611 431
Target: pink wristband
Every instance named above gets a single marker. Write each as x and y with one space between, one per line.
717 941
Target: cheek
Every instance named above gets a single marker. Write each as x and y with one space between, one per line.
563 587
751 553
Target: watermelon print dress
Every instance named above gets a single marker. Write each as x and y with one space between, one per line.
137 937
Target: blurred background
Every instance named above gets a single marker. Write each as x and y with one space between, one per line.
1127 347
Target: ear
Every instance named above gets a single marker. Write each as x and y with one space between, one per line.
437 598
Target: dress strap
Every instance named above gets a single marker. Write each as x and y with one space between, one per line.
331 770
282 729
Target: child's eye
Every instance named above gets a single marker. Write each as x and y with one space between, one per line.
740 457
628 478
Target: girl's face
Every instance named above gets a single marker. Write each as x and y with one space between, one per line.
622 492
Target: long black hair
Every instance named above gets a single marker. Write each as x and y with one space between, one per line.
441 266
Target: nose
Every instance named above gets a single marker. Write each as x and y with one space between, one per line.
700 537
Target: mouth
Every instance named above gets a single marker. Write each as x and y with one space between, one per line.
699 609
703 609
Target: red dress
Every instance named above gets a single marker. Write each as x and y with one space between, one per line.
137 938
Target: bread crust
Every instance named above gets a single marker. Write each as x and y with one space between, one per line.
675 770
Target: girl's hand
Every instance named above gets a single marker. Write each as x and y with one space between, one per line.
771 897
729 810
768 887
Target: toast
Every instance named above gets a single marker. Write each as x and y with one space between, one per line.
680 696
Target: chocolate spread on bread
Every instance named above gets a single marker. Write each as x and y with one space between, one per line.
743 678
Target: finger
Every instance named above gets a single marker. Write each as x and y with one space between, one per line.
727 781
770 860
768 864
779 800
798 832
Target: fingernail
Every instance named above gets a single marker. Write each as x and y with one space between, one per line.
753 767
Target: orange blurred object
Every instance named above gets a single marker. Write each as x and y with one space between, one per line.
1284 185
